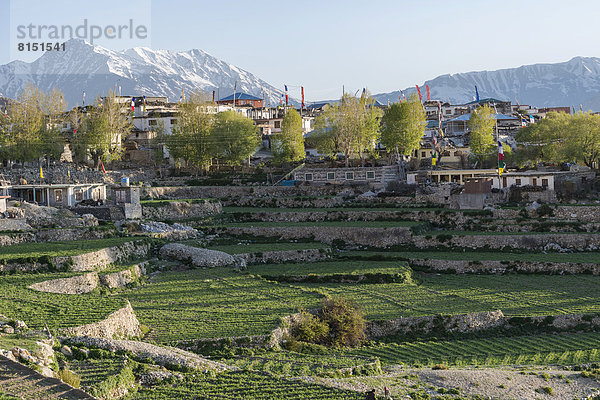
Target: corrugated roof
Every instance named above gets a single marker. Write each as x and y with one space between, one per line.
241 96
466 117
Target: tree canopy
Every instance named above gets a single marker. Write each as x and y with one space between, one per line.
289 145
481 136
403 126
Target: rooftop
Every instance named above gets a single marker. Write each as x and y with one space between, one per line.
241 96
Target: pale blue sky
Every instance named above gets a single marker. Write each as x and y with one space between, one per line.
381 44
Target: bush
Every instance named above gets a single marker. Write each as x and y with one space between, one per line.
347 324
310 329
70 378
439 367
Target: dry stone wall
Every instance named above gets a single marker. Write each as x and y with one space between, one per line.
120 324
100 259
199 257
501 267
74 285
278 257
181 210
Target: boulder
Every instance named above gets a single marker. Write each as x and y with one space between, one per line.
8 329
66 350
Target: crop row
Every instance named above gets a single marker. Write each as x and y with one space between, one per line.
561 349
243 385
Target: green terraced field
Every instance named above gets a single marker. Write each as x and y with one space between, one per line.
590 257
95 371
563 349
243 385
58 249
217 302
295 364
57 310
515 295
330 267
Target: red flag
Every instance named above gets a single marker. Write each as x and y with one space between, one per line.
419 91
102 166
286 95
302 87
427 86
399 99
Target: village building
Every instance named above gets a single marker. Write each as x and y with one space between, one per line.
59 195
378 177
242 99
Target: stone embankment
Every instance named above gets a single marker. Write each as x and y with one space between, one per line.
87 282
120 324
166 356
376 237
54 235
98 260
177 210
198 257
502 267
278 257
219 192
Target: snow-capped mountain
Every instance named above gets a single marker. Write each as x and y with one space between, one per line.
138 71
574 82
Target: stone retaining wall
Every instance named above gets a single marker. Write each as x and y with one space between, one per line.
278 257
376 237
100 259
87 282
181 210
199 192
462 323
120 324
54 235
501 267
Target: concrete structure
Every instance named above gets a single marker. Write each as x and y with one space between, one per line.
3 204
128 199
59 195
377 176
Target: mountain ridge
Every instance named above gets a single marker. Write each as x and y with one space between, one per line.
138 71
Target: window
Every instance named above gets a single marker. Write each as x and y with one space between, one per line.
173 121
277 124
349 176
120 196
308 177
370 174
518 181
422 154
448 112
58 195
79 195
534 182
331 176
544 182
152 122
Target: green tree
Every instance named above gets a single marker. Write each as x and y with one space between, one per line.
481 136
102 130
403 126
289 145
543 142
33 126
349 127
234 137
190 140
583 142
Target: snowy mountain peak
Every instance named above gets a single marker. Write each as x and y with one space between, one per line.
139 70
572 82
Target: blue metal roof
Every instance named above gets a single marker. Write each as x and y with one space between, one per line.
241 96
466 117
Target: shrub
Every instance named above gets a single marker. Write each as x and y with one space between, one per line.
346 323
69 377
310 329
547 390
439 367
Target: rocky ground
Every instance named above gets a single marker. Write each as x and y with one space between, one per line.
489 383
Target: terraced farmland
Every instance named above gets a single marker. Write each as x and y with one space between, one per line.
244 385
563 349
17 301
